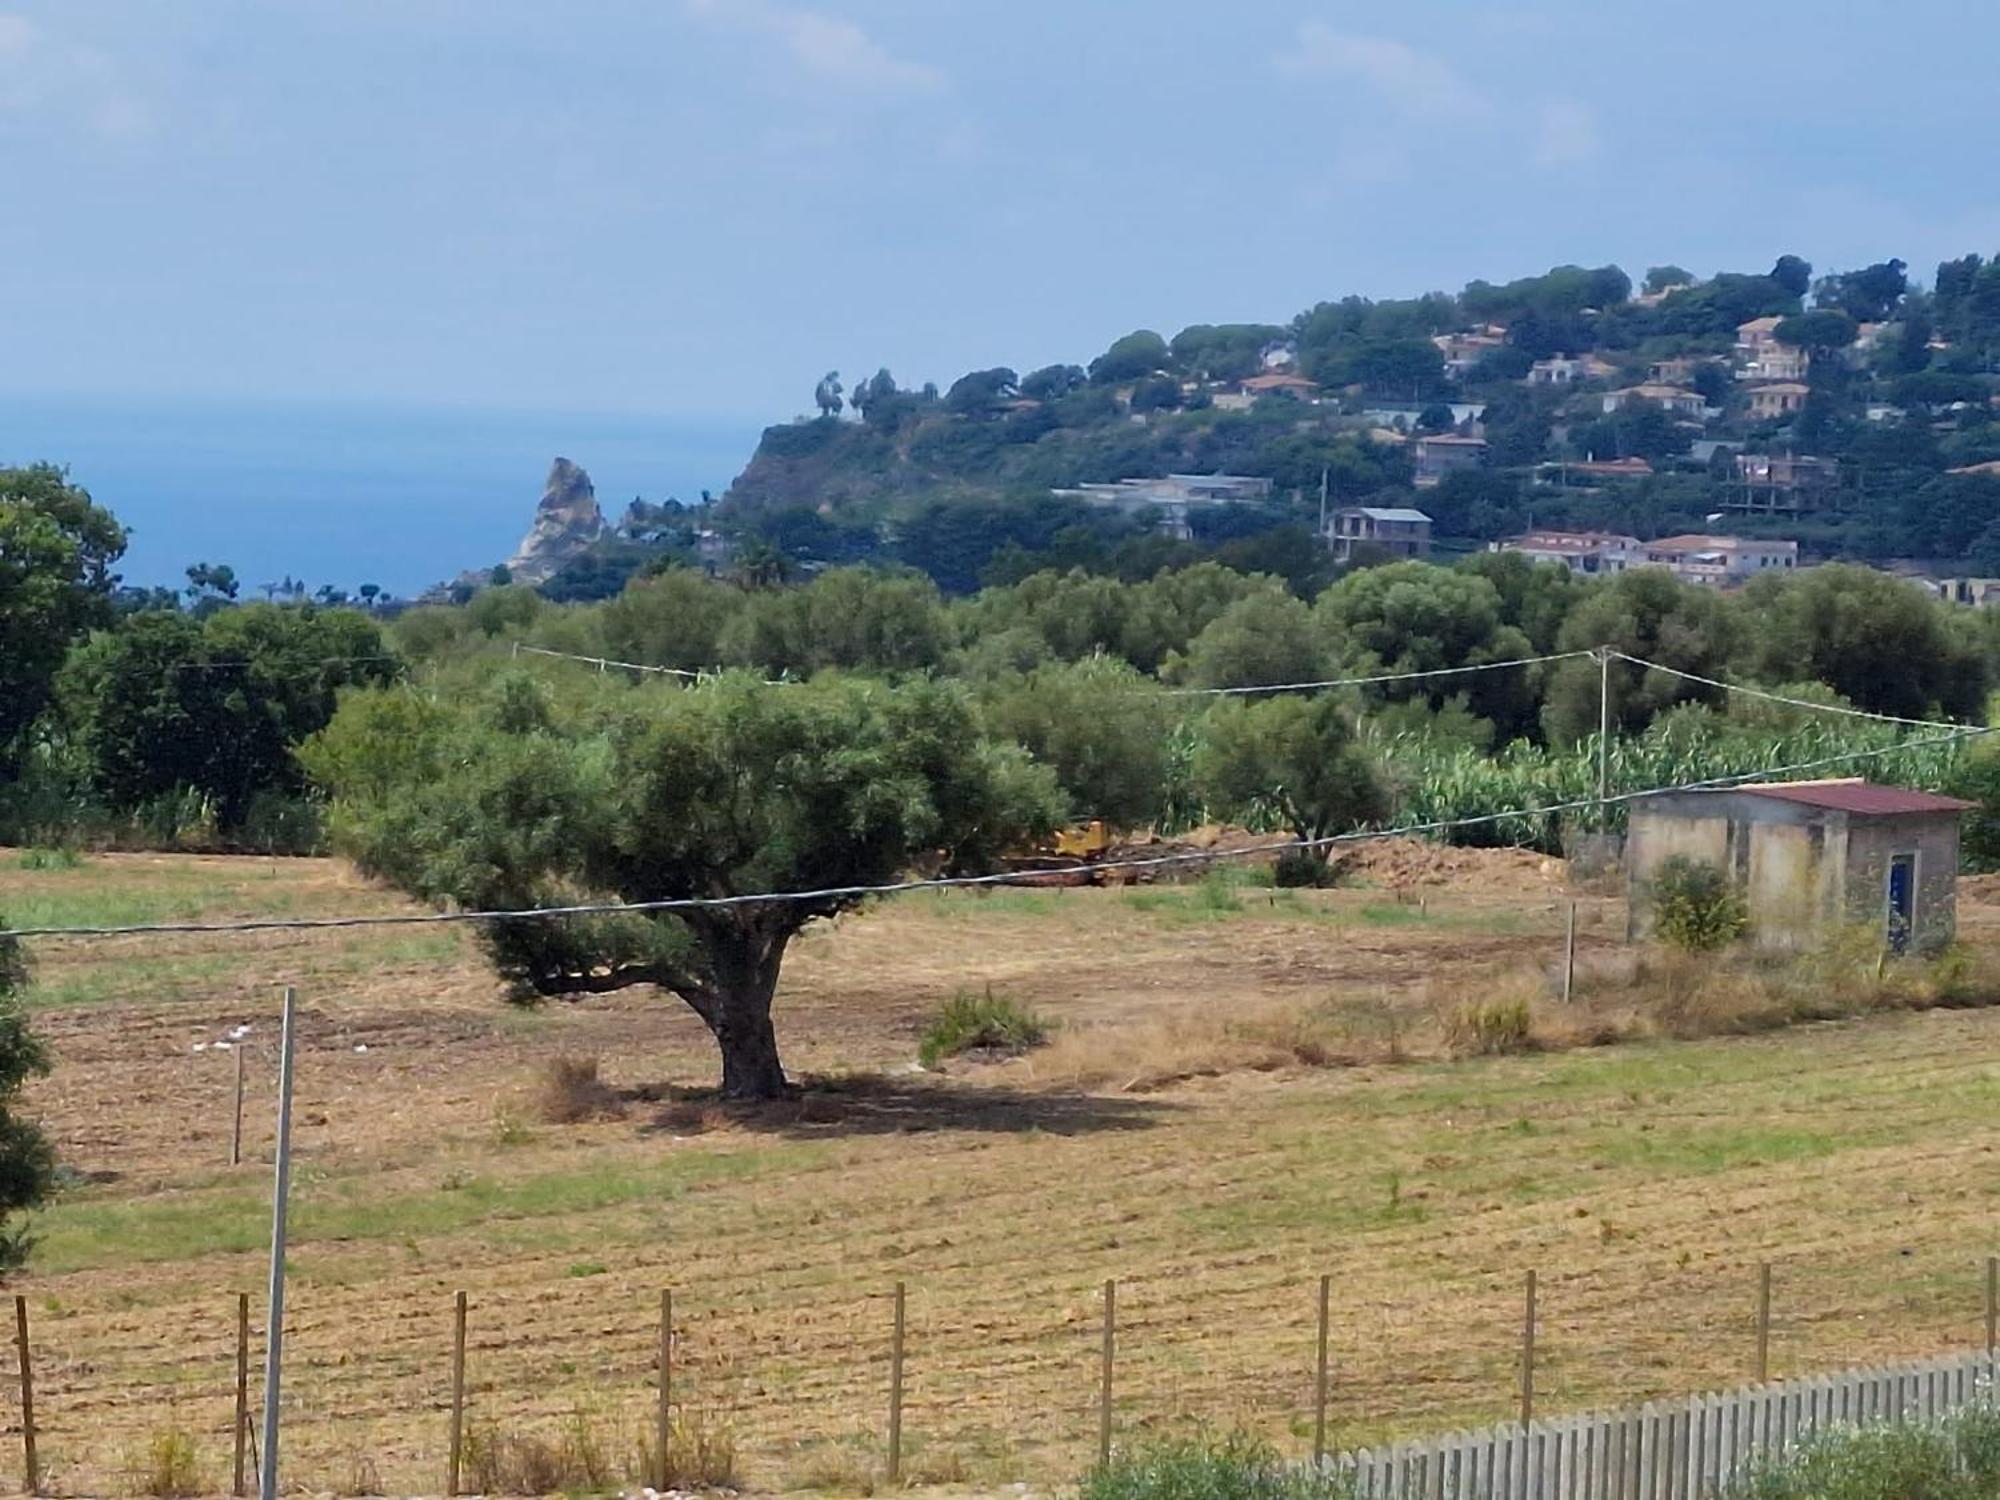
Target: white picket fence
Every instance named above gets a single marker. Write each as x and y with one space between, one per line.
1667 1450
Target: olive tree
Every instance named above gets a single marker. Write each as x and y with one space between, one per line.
1293 758
635 794
27 1161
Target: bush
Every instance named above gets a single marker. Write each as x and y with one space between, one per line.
1235 1467
1487 1028
274 823
1696 907
967 1021
571 1092
168 1466
1303 869
1950 1459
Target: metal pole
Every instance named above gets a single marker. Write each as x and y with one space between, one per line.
1104 1394
1528 1354
896 1391
236 1130
274 1331
1319 1392
1569 955
1603 739
240 1439
33 1469
1763 1322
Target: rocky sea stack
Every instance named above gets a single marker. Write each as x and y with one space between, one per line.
566 522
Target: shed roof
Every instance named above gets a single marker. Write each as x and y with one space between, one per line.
1856 796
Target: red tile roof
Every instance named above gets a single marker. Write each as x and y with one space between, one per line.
1863 797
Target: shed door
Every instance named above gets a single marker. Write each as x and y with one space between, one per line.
1902 900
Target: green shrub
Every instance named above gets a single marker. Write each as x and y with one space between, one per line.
1869 1463
274 823
168 1466
1235 1467
1696 907
967 1021
1302 869
60 858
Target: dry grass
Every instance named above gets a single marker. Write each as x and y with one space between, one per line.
1264 1141
570 1092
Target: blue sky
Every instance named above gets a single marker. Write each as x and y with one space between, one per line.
693 207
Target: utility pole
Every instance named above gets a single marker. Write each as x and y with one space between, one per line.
1323 473
274 1333
1603 739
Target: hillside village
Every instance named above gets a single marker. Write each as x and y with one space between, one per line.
1719 426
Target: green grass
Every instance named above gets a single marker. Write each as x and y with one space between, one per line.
966 1021
84 1232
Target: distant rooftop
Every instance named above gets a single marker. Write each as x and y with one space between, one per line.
1856 796
1379 513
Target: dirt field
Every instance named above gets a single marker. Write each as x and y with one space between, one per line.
1177 1136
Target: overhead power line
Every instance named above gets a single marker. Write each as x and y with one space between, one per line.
1770 697
967 882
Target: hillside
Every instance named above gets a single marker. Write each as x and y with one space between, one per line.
1589 400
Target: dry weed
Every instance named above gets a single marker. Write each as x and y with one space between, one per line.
570 1092
701 1455
169 1465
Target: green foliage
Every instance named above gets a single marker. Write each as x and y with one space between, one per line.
1696 906
1263 638
27 1161
1134 356
1956 1457
1236 1466
639 794
1293 758
985 1021
167 706
56 553
1102 728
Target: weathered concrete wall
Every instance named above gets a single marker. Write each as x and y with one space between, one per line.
1933 838
1799 866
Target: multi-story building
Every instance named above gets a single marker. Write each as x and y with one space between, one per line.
1596 553
1441 455
1170 500
1720 561
1784 482
1397 531
1775 402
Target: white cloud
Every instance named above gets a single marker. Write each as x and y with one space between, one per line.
47 78
1414 83
1566 134
826 46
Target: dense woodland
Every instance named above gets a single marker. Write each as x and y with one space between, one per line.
956 481
181 726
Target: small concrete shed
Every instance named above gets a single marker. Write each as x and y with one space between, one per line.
1809 853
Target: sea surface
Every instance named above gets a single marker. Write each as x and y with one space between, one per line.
347 494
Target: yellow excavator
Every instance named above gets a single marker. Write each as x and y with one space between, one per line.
1066 856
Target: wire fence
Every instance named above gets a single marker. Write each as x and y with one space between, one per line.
937 1379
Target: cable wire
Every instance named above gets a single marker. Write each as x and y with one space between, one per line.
1770 697
965 882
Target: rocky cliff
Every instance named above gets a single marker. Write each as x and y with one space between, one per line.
567 521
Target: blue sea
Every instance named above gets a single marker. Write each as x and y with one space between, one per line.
347 494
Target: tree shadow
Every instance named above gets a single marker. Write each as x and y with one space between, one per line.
881 1104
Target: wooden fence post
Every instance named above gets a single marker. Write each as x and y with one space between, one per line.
1569 955
1104 1393
31 1468
242 1432
1992 1303
457 1393
896 1391
1763 1322
236 1129
1319 1389
663 1427
1528 1352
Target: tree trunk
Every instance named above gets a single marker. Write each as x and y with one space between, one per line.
744 967
750 1066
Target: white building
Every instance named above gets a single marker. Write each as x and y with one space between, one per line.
1596 553
1721 561
1172 499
